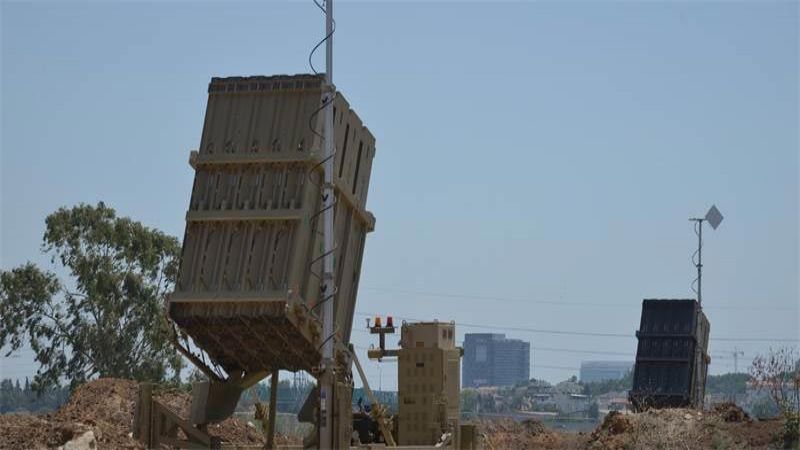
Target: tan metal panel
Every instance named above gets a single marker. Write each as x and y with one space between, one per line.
352 248
353 158
253 226
429 373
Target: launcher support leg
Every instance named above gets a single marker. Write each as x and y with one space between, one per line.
387 435
273 408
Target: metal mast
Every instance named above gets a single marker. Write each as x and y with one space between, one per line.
328 282
714 218
699 263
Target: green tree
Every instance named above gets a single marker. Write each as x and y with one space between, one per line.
595 388
107 318
765 408
8 397
728 383
16 399
778 373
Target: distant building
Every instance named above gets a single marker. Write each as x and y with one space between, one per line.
492 360
604 370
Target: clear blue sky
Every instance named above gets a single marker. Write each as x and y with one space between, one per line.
529 151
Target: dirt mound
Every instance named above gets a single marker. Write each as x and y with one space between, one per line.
612 432
234 430
730 412
682 428
666 429
32 432
106 407
530 433
615 423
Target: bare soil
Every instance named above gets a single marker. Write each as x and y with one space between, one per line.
106 407
510 434
726 426
34 432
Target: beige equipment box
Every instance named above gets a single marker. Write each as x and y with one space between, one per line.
429 383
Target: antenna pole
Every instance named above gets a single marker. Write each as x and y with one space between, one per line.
328 282
700 262
714 218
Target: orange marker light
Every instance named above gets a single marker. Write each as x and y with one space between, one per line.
377 321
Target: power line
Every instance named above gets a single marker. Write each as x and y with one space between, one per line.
582 333
586 352
563 302
493 298
571 350
544 366
510 328
601 352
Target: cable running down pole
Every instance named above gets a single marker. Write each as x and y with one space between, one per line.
328 282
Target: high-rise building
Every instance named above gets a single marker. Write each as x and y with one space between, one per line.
604 370
492 360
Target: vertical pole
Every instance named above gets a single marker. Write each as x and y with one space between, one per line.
700 262
328 283
273 409
143 418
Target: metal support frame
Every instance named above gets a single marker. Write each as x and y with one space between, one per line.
381 352
387 434
327 379
273 409
155 424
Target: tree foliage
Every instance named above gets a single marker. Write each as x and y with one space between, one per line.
106 318
727 383
15 398
605 386
778 373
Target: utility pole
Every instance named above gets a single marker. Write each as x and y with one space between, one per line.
328 290
380 378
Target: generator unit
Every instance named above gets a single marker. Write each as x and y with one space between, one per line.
672 355
429 381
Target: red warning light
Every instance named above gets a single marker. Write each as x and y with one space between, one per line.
389 322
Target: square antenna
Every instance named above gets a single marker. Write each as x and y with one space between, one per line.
714 217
